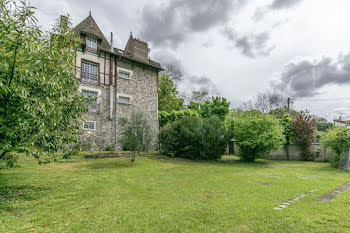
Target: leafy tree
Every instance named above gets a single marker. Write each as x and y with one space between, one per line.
218 106
323 125
168 117
136 134
255 134
194 138
337 139
168 95
304 130
286 123
40 104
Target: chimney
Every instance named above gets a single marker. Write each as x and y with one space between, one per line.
111 41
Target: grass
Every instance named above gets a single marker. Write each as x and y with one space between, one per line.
158 194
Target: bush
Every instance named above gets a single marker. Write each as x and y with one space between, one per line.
194 138
136 134
168 117
304 131
255 134
336 139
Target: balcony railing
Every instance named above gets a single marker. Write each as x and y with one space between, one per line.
91 50
90 78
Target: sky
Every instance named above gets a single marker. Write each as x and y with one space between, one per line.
235 48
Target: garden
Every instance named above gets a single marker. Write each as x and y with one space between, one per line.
162 194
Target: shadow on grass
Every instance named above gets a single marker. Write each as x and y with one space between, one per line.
111 164
226 160
9 194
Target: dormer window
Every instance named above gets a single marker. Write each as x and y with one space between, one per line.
91 45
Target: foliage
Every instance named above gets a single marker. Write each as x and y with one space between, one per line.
194 138
40 104
218 106
110 147
286 123
255 133
337 139
323 125
265 102
168 117
136 134
168 95
304 130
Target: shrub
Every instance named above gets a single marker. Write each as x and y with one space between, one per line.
136 134
110 147
194 138
336 139
168 117
304 130
255 134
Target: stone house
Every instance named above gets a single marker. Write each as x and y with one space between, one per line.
121 81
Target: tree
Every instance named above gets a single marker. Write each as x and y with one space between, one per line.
168 95
194 138
136 134
337 139
255 134
265 102
286 123
218 106
323 125
173 72
40 105
304 130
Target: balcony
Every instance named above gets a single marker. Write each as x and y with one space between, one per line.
91 50
89 78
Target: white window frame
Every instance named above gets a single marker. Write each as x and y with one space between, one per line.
90 71
124 96
91 41
130 72
88 129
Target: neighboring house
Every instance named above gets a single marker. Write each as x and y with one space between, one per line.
122 81
342 123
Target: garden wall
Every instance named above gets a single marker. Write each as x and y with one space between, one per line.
322 154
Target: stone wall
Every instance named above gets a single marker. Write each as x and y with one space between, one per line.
141 88
321 153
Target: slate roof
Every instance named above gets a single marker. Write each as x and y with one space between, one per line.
89 26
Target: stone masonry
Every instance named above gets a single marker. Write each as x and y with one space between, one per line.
123 81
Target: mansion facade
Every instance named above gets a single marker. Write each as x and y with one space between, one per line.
121 81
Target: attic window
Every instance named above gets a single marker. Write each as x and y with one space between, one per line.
91 45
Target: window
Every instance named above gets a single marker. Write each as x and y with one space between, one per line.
89 72
92 100
123 74
124 100
91 45
89 125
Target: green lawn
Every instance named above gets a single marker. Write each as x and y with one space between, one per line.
158 194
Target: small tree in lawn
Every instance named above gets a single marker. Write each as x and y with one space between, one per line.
338 140
255 134
304 131
136 134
